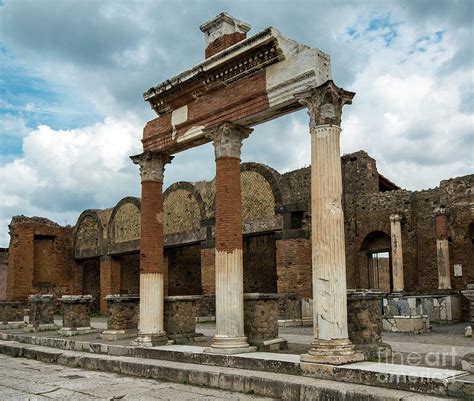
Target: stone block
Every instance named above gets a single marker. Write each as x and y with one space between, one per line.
76 314
122 312
41 312
11 312
260 319
180 315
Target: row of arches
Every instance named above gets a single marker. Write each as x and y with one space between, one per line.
186 207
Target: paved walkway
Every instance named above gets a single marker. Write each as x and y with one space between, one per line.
25 379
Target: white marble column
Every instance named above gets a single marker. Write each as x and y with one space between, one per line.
152 269
230 337
442 250
397 253
331 344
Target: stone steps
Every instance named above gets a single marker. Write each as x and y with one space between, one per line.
275 385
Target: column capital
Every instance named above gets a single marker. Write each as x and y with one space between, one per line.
227 139
395 217
325 103
152 165
441 211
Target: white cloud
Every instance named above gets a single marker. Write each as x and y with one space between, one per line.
64 171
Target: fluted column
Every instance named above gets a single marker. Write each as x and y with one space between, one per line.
230 338
152 270
397 253
442 250
331 344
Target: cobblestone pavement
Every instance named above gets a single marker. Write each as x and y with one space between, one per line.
24 379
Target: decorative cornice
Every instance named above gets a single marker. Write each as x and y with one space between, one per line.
227 139
325 103
152 165
395 217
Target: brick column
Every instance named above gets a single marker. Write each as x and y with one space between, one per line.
442 250
331 344
397 253
110 277
230 337
152 269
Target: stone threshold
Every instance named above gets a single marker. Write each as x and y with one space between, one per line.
401 377
273 385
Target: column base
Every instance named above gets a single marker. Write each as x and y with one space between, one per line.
229 345
12 325
114 335
75 331
332 352
150 340
32 328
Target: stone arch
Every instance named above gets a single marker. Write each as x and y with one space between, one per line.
183 208
124 222
88 233
261 193
375 261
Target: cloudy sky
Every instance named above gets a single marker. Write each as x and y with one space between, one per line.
73 74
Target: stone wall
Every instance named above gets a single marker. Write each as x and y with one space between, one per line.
180 315
276 209
184 270
260 264
30 269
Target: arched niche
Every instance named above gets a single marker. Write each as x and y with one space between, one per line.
124 223
183 209
88 234
376 255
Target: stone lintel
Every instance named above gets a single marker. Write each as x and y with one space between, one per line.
260 296
41 298
76 299
354 294
122 298
183 298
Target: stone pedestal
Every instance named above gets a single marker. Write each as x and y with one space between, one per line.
261 321
151 330
180 317
364 312
122 317
76 315
331 344
289 310
230 338
11 315
42 308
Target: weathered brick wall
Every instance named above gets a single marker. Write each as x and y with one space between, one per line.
41 250
260 264
3 273
91 281
208 271
293 262
130 274
110 279
184 270
223 42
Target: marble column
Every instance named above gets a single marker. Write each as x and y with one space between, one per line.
230 338
442 249
331 344
152 270
397 253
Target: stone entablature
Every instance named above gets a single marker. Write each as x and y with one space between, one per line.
250 82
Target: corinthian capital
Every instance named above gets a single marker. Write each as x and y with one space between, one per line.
227 139
152 165
325 103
